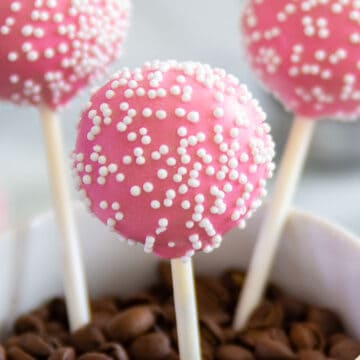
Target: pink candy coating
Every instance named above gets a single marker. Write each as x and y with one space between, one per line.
50 49
173 155
307 52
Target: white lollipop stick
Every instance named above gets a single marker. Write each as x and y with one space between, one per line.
266 246
185 309
74 276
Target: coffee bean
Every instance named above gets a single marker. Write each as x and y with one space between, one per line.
268 314
345 350
88 338
267 349
307 335
294 310
57 310
63 353
173 356
310 355
327 321
153 346
233 352
140 298
16 353
234 280
94 356
211 331
29 323
250 338
12 341
334 339
35 345
131 323
104 305
114 350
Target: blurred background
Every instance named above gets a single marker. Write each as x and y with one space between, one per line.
202 30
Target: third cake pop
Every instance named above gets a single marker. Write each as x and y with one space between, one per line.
307 54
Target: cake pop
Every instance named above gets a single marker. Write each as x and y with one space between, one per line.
49 50
172 155
307 54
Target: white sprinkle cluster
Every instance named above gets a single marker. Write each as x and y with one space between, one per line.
173 172
49 50
307 53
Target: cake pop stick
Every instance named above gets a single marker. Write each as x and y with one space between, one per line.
49 50
172 155
307 54
73 272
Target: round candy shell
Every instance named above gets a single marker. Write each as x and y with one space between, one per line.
307 54
49 50
173 155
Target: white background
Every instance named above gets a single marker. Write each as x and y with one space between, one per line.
207 31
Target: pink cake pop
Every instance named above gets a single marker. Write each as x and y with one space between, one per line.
173 155
50 49
307 54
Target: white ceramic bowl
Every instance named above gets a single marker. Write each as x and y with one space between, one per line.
318 262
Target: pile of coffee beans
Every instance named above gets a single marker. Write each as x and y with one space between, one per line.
142 327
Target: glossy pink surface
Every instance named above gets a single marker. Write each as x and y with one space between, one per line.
173 155
307 53
49 50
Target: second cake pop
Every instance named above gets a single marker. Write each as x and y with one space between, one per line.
173 155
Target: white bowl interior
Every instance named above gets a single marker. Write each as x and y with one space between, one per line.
317 261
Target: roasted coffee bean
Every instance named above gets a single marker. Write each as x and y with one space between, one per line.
327 321
173 356
12 341
345 350
131 323
334 339
307 335
104 305
15 353
310 355
63 353
35 345
53 341
268 314
94 356
234 280
101 319
211 331
140 298
57 310
168 311
215 287
251 337
207 350
2 353
153 346
88 338
266 349
294 310
114 350
233 352
29 323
